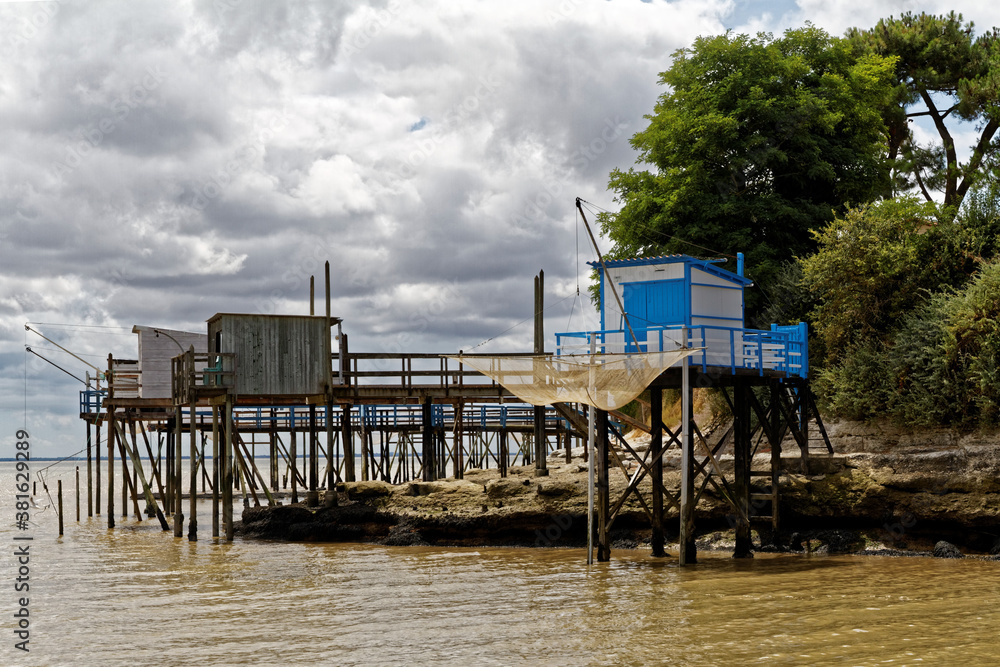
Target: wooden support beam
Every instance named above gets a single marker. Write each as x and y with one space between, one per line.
688 548
427 445
347 437
97 467
133 453
331 466
742 443
602 496
656 451
312 498
215 471
90 475
227 470
193 465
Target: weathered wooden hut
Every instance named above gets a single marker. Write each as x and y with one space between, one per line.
276 355
157 346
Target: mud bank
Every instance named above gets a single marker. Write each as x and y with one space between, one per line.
893 497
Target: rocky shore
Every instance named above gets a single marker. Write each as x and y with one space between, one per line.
885 491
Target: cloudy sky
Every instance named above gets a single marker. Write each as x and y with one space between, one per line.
164 161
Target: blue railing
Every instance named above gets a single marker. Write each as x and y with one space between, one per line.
90 401
783 348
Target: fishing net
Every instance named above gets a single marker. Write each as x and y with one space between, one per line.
605 381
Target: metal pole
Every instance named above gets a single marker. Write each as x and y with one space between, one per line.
590 461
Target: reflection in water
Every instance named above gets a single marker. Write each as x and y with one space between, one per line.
136 595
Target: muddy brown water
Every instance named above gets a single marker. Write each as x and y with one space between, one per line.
137 596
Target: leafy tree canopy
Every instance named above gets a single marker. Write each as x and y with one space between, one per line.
945 73
755 142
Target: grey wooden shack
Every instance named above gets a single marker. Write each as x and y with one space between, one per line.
276 355
157 346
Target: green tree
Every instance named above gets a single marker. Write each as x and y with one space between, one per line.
874 265
944 73
754 144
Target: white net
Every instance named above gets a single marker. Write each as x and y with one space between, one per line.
605 381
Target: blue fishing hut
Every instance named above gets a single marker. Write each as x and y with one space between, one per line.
676 300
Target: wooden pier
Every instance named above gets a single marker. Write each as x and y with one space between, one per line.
329 416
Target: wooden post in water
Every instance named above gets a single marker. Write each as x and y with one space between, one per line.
110 411
741 468
60 508
541 449
347 439
169 464
457 440
178 475
90 475
603 492
292 457
656 474
215 471
97 468
193 464
312 498
331 464
688 548
227 479
427 440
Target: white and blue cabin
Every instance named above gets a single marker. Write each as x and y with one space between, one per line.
675 300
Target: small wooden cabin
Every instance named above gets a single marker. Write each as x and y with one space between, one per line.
157 346
276 355
662 294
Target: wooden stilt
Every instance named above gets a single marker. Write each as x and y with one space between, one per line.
347 438
97 468
428 454
292 454
603 497
656 473
741 469
688 549
312 498
178 474
215 471
227 479
111 459
331 465
59 497
90 475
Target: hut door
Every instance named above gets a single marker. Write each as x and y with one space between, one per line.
651 305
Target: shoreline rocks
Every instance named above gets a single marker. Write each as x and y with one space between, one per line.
902 498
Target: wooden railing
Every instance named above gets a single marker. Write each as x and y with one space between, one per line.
193 372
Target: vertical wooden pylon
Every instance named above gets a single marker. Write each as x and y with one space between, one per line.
776 433
741 468
293 456
312 497
656 474
110 411
227 470
427 441
603 496
90 475
97 468
688 549
347 441
541 449
331 463
178 474
457 440
215 471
